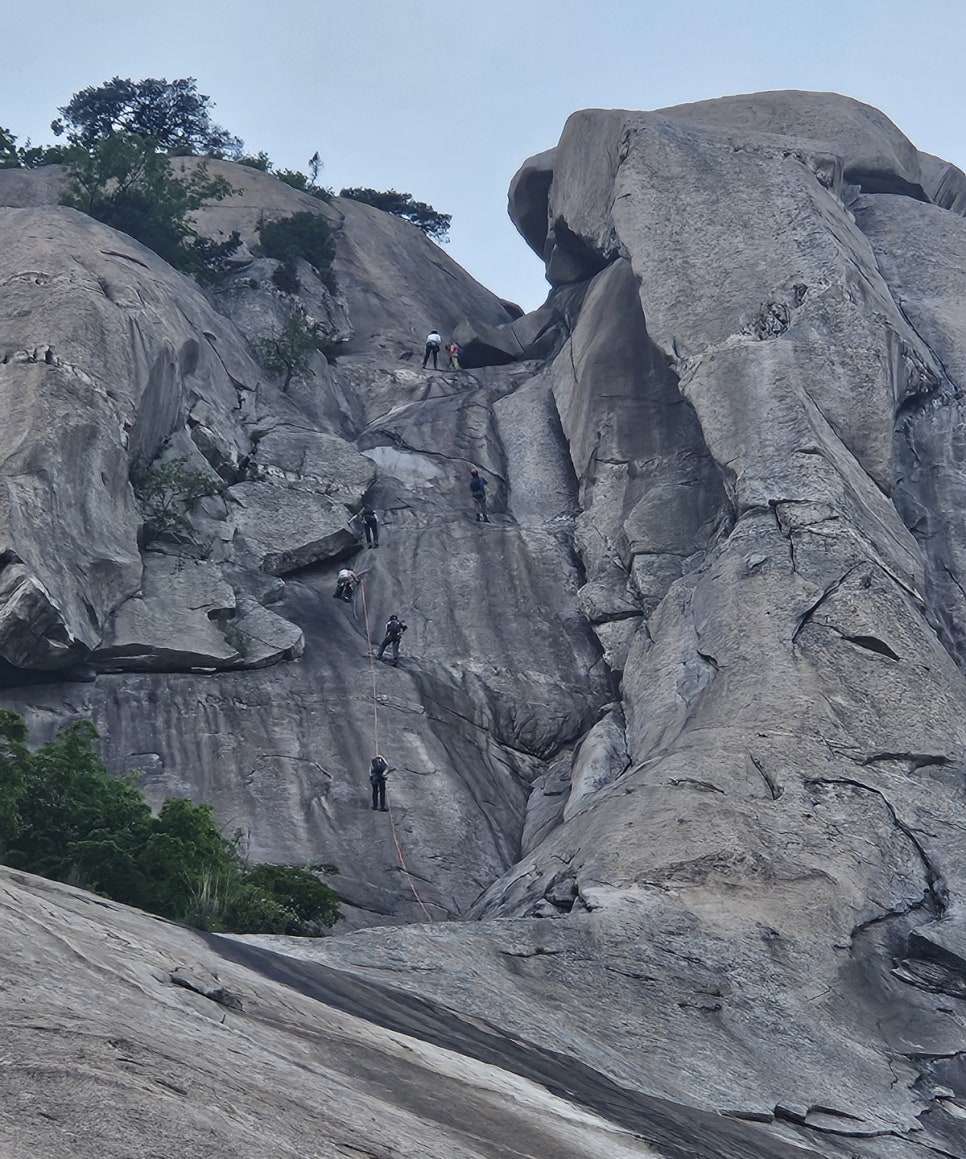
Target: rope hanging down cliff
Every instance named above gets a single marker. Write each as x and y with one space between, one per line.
375 748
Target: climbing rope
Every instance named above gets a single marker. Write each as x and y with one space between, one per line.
402 861
375 742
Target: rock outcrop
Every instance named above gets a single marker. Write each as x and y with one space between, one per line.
679 736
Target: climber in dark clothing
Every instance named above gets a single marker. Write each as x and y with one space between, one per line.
394 630
378 771
478 491
370 525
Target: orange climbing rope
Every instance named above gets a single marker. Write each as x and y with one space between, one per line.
375 740
402 861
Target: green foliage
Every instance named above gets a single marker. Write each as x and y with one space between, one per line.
288 352
258 161
27 156
14 763
122 181
298 903
167 493
63 816
8 150
303 235
293 177
76 823
172 115
285 278
214 258
423 216
305 184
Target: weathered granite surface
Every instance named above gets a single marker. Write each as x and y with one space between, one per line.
679 735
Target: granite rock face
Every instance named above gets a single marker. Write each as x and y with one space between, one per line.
680 733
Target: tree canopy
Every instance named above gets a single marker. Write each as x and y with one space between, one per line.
423 216
171 114
122 181
63 816
289 350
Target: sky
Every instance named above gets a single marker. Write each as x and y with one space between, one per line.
445 99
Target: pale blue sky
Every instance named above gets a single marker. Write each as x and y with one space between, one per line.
445 98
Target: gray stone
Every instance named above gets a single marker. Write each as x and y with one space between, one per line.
262 637
282 528
679 735
528 200
944 183
173 622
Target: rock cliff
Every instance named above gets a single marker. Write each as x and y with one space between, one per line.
678 736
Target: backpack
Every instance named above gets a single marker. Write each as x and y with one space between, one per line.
377 769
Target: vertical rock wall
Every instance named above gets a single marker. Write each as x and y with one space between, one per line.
682 727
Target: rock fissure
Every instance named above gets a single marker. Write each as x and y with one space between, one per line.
774 789
871 644
936 889
829 591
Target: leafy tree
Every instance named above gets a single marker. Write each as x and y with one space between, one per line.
167 493
260 161
14 765
63 816
299 903
214 258
302 235
295 178
423 216
290 349
173 115
76 823
9 158
122 181
27 156
285 278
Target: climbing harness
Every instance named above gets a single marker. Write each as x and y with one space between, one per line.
375 748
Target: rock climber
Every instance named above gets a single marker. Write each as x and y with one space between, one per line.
345 585
394 630
378 771
433 343
370 525
455 352
478 491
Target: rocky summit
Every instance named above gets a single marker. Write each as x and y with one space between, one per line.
675 862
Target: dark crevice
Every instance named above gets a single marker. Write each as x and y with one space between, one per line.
900 911
884 181
774 789
126 257
694 783
872 644
829 591
916 761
